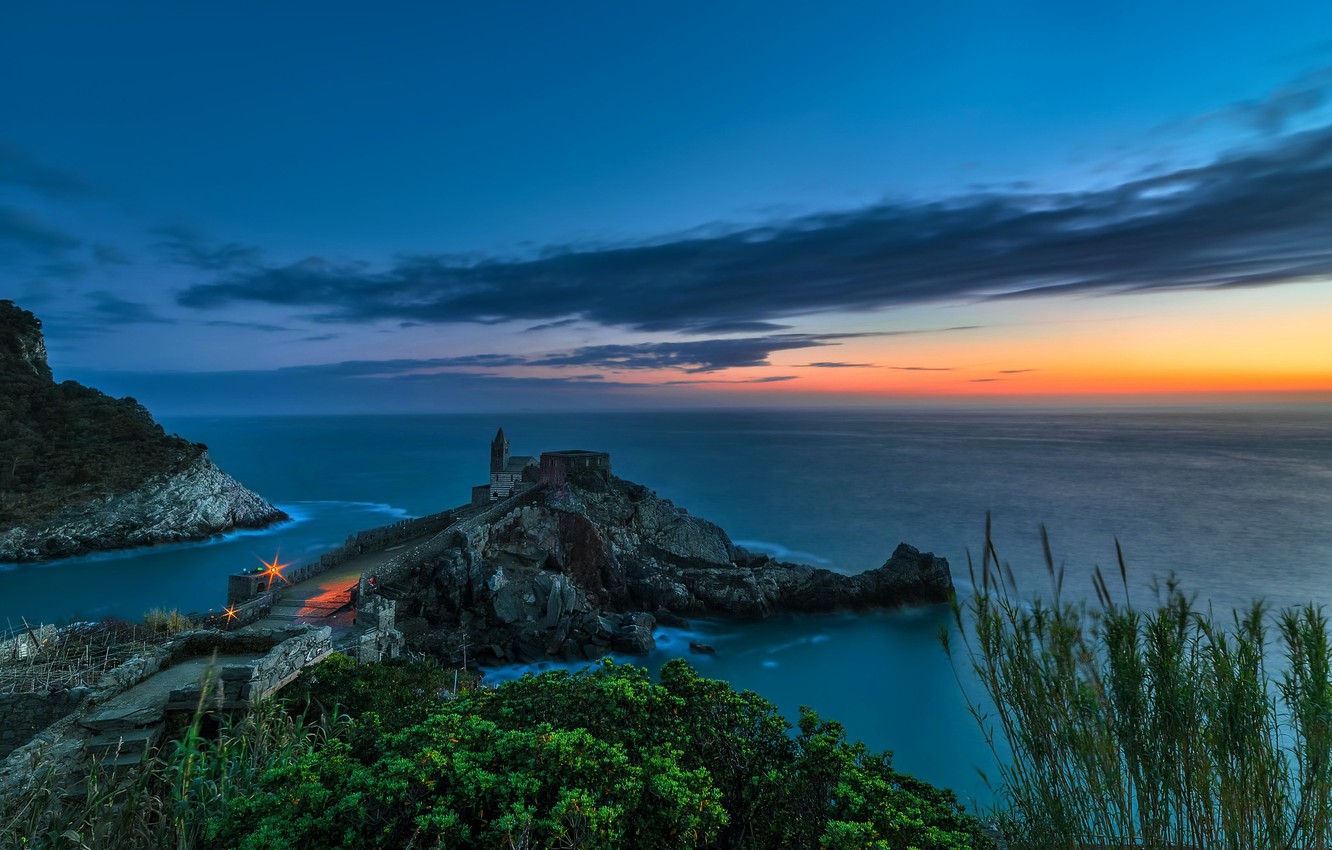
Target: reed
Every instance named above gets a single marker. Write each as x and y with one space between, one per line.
1160 728
165 803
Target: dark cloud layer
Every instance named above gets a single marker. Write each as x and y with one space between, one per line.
1254 218
20 230
187 247
19 169
824 364
707 355
119 311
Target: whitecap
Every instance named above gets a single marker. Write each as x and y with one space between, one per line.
370 507
780 552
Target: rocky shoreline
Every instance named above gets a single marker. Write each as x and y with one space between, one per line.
86 472
593 565
195 503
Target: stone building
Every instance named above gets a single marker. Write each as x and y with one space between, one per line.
556 467
509 473
506 472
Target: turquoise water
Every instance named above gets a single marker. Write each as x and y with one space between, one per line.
1238 503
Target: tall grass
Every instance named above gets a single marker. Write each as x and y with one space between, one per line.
167 801
1153 728
167 622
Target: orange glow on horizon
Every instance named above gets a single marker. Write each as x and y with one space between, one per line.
1249 342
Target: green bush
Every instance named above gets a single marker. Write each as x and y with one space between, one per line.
1154 728
597 759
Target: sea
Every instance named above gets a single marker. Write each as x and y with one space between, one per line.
1235 503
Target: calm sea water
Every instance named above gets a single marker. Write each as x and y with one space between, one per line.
1237 503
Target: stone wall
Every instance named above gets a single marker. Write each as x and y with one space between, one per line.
382 640
241 685
243 589
556 467
476 529
24 715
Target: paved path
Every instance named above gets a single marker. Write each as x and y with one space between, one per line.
325 598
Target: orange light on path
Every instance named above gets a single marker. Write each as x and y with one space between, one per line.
230 612
273 569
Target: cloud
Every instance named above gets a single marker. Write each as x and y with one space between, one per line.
19 169
734 327
187 247
545 326
1275 112
1016 371
708 355
829 365
109 255
114 310
922 368
253 326
22 231
770 380
1253 218
985 380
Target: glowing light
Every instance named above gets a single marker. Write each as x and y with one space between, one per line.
273 569
230 612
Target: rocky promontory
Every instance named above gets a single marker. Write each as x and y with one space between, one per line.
590 566
81 471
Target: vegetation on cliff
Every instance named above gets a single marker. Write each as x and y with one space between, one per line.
62 444
599 759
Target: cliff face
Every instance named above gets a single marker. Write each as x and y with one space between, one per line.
81 471
590 567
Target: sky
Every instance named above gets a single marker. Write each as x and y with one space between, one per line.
433 207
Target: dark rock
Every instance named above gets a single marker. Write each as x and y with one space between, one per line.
670 619
702 648
569 571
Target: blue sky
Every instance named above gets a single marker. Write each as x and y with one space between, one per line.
619 204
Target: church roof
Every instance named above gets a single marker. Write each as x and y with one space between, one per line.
518 463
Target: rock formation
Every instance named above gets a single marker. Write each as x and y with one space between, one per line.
81 471
591 566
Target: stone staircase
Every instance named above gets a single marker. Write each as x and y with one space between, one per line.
120 749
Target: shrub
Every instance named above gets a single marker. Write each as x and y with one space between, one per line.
598 759
168 622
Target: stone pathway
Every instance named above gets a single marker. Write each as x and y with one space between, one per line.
129 723
325 599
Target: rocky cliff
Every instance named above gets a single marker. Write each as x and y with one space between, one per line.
590 567
81 471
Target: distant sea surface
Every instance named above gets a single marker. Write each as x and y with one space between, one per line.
1237 503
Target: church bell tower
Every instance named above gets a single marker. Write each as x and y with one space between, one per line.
499 453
